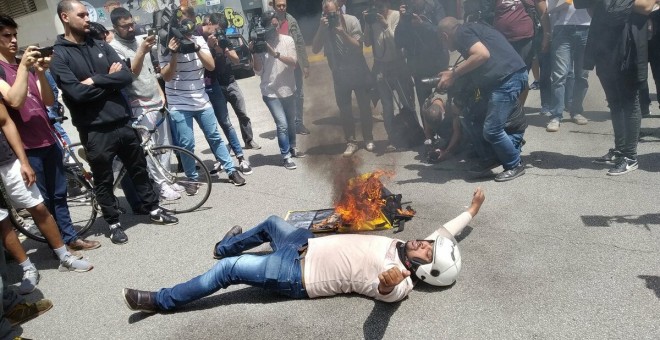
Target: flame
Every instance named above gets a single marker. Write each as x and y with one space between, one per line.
361 200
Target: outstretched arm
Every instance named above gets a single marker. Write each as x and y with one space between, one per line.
457 225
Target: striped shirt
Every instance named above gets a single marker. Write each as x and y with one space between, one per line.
186 91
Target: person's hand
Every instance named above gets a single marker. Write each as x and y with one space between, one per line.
545 44
306 72
324 21
88 81
478 199
28 174
437 155
271 51
446 80
381 19
251 46
147 44
115 67
390 278
42 65
30 56
212 41
416 19
173 45
403 9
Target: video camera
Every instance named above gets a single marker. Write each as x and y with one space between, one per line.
333 19
167 22
371 15
223 41
260 34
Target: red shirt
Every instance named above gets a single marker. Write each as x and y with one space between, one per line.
32 119
284 27
512 20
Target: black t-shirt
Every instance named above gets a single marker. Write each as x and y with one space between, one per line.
223 69
7 155
503 61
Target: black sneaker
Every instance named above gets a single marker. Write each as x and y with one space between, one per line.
289 164
236 179
623 166
297 153
118 236
163 218
510 174
610 157
302 130
252 145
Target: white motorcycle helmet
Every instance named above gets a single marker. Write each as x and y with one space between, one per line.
446 264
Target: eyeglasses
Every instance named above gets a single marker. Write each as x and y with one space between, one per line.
126 26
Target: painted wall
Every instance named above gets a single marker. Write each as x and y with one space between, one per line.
40 27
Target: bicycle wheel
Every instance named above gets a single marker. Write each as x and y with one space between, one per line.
81 201
190 193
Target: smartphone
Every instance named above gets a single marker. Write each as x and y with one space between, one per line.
151 32
45 51
128 62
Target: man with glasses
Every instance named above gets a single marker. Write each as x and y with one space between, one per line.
302 266
289 26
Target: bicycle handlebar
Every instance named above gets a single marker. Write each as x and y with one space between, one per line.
135 125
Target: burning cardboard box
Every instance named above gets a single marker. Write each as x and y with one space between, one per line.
365 204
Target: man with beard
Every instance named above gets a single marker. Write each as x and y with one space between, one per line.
302 266
91 76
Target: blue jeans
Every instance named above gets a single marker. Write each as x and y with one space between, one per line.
503 101
568 46
182 131
284 114
278 271
51 181
219 103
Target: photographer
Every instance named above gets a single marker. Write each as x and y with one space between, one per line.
340 36
416 34
389 65
218 101
275 60
500 73
183 72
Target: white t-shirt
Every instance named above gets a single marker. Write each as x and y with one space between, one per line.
186 91
351 263
384 48
277 78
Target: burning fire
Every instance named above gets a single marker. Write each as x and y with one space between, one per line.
362 200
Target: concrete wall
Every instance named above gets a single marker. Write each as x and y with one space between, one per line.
40 27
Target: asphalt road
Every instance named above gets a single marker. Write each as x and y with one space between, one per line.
564 252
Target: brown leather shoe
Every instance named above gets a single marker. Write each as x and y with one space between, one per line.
140 300
80 244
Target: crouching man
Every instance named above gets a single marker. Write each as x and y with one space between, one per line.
499 71
302 266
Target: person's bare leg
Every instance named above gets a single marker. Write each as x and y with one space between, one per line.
11 242
536 71
46 224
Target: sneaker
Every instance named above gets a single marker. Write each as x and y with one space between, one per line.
390 148
244 167
177 187
302 130
191 188
545 112
163 217
510 174
73 264
168 194
236 179
351 148
29 282
26 311
252 145
535 85
370 146
610 157
117 235
553 125
579 119
139 300
297 153
623 166
217 168
289 164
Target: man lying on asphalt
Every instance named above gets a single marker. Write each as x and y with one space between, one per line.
302 266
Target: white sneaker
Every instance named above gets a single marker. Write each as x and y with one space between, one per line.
244 167
29 282
177 187
168 194
351 148
217 168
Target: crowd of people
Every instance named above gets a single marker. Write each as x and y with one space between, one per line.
107 77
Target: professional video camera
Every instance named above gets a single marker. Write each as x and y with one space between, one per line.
223 41
333 19
260 34
372 15
167 22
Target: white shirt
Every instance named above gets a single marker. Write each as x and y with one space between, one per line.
351 263
384 48
563 13
277 78
186 90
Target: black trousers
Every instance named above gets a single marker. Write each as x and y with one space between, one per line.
234 96
654 61
102 145
345 85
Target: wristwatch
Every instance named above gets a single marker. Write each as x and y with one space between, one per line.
277 55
